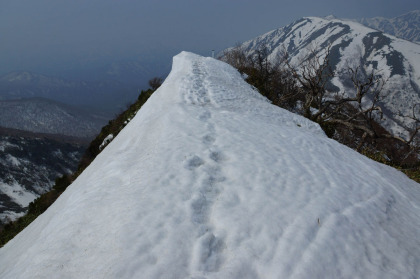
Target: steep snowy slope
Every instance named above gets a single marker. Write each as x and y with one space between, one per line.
352 45
211 181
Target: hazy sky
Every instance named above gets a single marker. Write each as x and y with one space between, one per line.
44 34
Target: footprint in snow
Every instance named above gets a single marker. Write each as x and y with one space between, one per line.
217 156
200 208
205 116
194 162
208 139
208 253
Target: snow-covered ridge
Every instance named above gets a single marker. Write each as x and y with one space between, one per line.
209 180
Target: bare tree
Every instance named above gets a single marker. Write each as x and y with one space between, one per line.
415 118
312 75
360 111
354 118
236 57
272 80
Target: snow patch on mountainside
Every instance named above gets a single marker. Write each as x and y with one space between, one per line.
107 140
209 180
19 194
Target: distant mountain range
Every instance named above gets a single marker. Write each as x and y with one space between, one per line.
406 26
106 96
46 116
353 44
29 165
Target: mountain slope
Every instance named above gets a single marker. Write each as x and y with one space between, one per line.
29 165
352 45
406 26
211 181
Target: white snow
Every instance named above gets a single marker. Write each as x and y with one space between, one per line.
5 144
13 160
211 181
17 193
106 141
412 53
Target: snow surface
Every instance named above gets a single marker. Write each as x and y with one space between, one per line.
209 180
